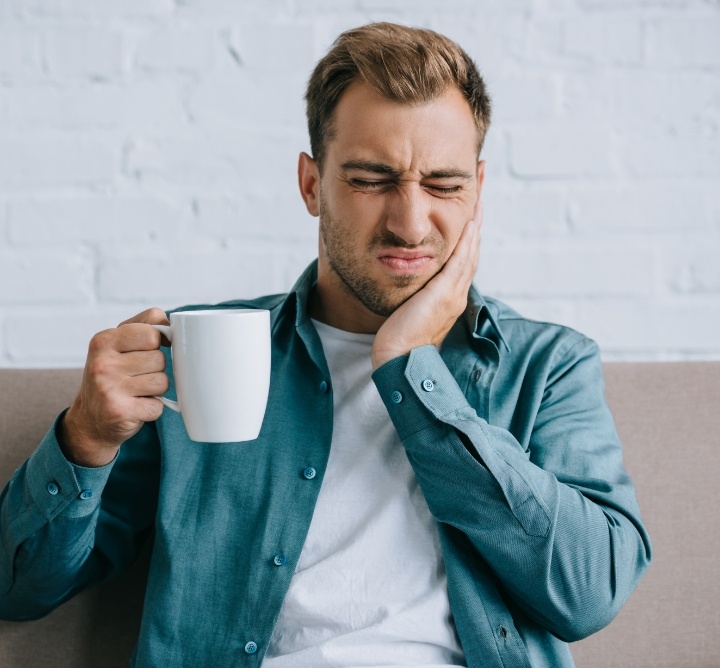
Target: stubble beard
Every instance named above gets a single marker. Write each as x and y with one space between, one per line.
380 300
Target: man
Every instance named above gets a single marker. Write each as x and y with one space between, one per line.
437 482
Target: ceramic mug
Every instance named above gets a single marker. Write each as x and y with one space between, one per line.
221 364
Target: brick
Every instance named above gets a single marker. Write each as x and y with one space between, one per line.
459 7
664 99
26 335
234 8
281 218
98 8
629 4
649 209
560 151
294 261
83 52
524 97
571 271
182 49
271 46
68 107
684 42
605 41
253 98
557 311
142 104
19 53
494 153
142 221
678 151
35 162
42 277
524 212
188 277
490 39
219 163
690 265
587 96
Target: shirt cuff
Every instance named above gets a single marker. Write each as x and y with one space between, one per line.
59 487
418 389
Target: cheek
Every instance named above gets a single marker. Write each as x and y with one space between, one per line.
450 217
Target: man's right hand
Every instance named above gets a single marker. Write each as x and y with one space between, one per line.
123 374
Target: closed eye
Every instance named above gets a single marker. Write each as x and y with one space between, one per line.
445 190
370 185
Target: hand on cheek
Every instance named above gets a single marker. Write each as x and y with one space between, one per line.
427 316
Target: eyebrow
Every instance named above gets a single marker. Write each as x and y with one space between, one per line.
387 170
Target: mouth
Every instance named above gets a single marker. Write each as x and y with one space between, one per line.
401 261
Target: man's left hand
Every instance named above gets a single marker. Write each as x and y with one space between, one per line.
428 315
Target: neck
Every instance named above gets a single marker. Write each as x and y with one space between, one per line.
332 303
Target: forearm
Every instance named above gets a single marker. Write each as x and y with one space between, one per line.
48 514
63 527
566 542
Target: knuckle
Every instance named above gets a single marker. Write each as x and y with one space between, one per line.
115 413
155 315
100 368
100 341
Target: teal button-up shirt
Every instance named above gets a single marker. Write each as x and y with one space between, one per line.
506 429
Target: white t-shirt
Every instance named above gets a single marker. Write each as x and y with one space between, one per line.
370 587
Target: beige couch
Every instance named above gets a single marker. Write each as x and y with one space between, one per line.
667 415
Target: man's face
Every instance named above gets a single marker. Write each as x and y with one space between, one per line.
398 185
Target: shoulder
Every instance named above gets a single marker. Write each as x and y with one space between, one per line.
536 337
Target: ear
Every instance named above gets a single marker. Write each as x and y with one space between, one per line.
309 182
480 176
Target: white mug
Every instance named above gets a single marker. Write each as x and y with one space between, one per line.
221 363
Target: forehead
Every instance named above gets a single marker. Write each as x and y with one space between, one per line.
431 135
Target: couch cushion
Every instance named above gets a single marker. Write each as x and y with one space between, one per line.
98 628
667 416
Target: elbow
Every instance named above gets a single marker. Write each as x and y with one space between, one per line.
591 613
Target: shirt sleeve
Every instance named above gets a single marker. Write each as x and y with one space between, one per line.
558 523
63 527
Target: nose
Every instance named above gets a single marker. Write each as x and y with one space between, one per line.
408 214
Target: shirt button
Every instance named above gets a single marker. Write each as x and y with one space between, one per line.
279 559
428 385
52 488
250 648
86 494
396 397
309 473
323 387
477 375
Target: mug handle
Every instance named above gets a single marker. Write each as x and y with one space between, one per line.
167 331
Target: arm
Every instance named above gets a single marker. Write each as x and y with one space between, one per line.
558 525
65 521
55 543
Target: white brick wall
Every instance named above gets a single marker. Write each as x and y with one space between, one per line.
148 151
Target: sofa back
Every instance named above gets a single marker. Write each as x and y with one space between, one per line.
666 415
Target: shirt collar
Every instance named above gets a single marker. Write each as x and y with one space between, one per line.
478 314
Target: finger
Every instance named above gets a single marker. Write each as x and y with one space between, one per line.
139 362
147 385
136 336
459 263
478 212
152 316
146 409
